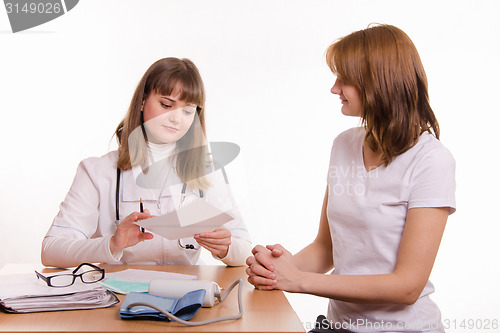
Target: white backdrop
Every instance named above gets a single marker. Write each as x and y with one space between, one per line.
65 85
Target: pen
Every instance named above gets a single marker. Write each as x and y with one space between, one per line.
141 210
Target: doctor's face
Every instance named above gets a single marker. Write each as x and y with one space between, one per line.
350 98
166 118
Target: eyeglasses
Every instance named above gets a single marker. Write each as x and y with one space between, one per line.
90 274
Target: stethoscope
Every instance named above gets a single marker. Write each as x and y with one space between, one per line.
183 195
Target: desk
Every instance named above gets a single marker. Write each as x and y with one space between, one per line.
264 311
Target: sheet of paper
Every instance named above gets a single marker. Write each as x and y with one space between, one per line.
124 287
142 275
137 280
193 218
18 285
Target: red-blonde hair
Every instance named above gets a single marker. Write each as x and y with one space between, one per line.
384 65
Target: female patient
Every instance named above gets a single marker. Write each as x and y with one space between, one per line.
162 160
390 189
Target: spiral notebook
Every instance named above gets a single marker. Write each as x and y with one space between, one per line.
193 218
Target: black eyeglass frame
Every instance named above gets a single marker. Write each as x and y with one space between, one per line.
47 279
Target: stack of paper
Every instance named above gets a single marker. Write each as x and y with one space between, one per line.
22 293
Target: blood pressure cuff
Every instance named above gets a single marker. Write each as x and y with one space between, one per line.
184 308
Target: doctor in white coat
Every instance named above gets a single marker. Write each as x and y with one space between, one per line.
162 159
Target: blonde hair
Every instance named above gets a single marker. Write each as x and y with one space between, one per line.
168 76
384 65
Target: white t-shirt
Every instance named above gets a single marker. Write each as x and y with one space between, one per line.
366 214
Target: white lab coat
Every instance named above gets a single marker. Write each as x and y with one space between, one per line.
82 229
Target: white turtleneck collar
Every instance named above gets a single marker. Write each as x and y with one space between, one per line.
160 151
156 178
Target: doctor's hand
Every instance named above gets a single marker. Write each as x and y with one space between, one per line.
217 241
272 267
128 233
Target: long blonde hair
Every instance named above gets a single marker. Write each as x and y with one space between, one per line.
166 77
384 65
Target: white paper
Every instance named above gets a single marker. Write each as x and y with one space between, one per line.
24 293
20 285
193 218
139 275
